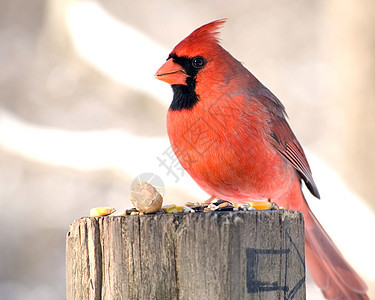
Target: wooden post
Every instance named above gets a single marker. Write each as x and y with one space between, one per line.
214 255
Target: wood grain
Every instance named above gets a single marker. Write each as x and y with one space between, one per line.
215 255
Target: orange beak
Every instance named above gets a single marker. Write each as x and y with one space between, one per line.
171 73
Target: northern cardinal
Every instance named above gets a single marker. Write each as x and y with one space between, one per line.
231 135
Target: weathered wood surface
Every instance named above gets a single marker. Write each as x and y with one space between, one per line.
216 255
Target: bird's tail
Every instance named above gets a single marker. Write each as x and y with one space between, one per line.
329 269
327 266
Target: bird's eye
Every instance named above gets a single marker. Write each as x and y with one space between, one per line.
198 62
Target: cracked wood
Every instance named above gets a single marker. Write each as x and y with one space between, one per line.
218 255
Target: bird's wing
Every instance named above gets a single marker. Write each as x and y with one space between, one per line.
284 140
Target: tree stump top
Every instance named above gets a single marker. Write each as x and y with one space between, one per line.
211 255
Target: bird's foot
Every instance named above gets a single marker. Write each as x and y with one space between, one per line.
209 200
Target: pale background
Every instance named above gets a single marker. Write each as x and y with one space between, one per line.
81 114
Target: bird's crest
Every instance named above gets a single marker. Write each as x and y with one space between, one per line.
202 38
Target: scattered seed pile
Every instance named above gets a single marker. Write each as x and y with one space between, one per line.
146 199
214 205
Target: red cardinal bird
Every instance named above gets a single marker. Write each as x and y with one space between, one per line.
230 134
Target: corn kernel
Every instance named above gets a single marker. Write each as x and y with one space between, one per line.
101 211
170 208
261 205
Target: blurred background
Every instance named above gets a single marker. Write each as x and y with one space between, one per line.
81 115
